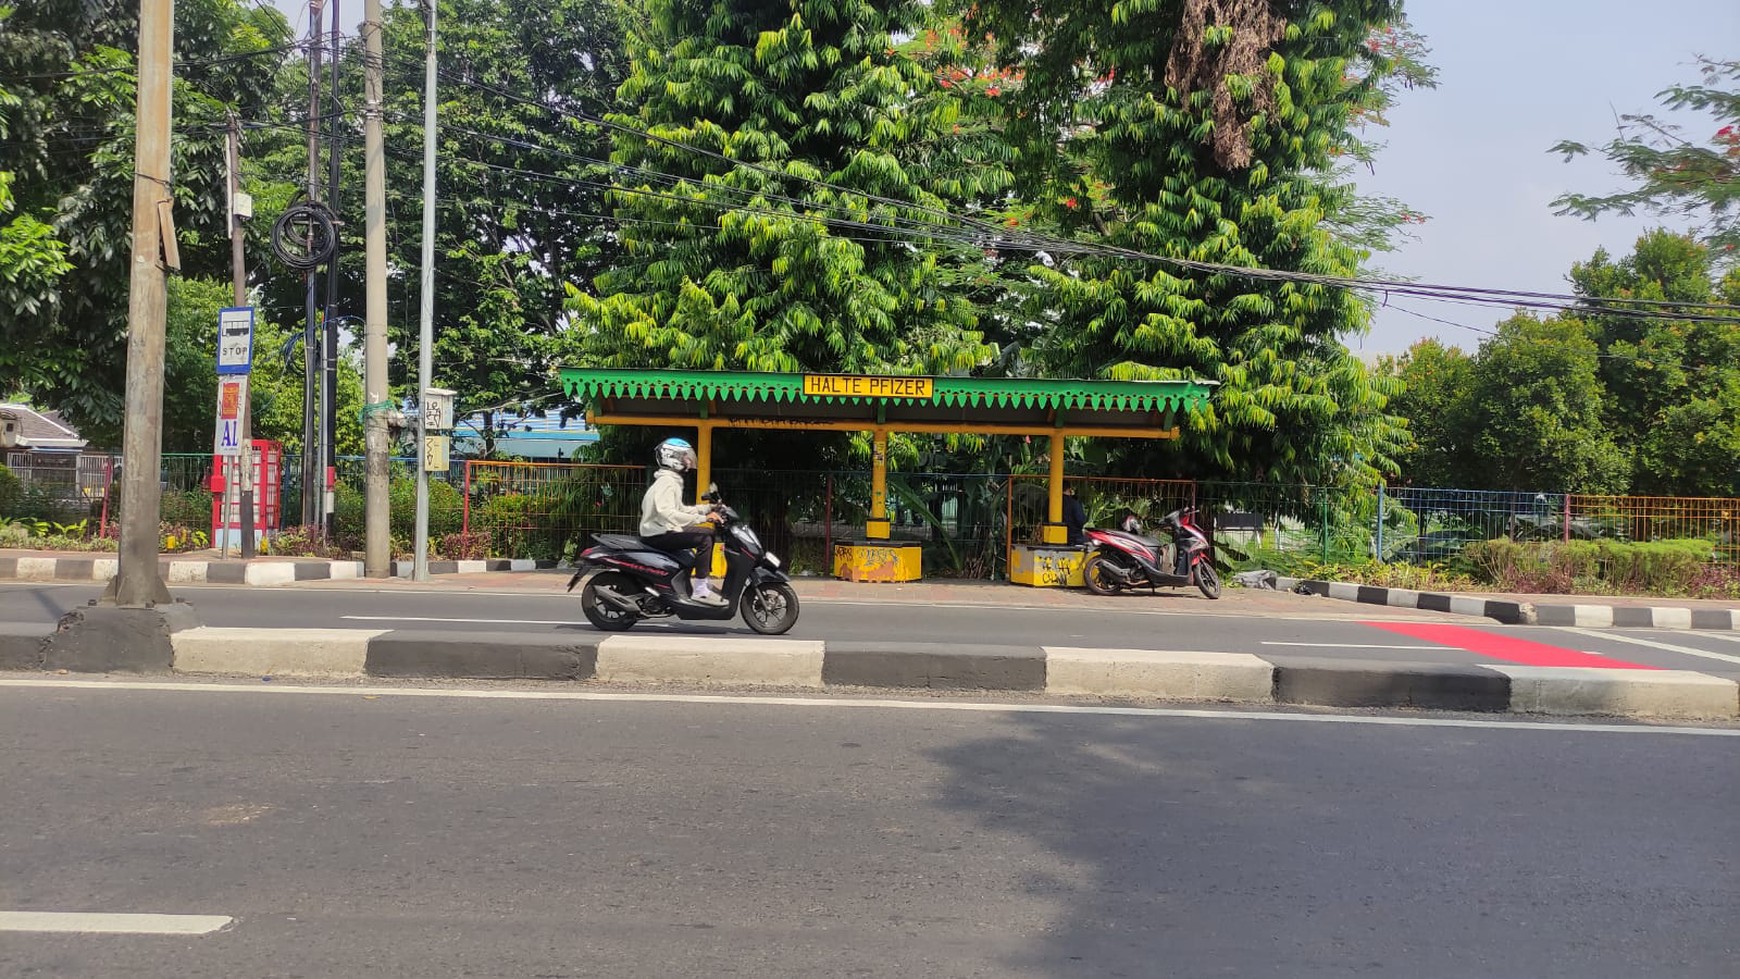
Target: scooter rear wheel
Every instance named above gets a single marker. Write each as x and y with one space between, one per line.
1097 574
1208 579
601 614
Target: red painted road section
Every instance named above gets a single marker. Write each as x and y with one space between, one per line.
1521 651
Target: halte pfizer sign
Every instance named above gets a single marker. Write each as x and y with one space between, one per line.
235 353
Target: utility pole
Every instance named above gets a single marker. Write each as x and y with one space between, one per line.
313 483
329 354
377 556
138 583
239 279
426 320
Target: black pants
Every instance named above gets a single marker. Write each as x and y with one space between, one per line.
697 538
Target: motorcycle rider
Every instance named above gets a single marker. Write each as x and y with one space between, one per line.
668 525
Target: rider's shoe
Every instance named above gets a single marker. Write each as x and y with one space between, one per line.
703 592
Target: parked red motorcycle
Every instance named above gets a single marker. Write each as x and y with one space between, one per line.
1119 559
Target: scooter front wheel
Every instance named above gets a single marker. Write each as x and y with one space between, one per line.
770 608
1207 578
1098 576
600 613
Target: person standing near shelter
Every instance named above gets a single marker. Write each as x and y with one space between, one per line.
670 526
1074 516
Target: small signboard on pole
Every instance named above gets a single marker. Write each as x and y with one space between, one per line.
232 400
235 353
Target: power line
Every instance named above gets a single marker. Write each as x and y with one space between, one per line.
1620 306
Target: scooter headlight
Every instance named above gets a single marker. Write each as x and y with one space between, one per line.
772 558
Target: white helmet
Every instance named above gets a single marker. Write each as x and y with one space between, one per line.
674 453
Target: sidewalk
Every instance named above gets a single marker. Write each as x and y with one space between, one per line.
1583 611
209 567
536 577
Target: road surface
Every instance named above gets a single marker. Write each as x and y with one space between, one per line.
383 832
1171 623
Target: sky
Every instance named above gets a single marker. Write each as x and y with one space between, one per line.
1515 77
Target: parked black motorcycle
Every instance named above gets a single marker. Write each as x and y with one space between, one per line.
1119 559
629 581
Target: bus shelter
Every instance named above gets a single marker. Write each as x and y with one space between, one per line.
1040 407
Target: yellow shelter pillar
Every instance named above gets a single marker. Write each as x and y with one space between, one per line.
703 457
877 527
1054 532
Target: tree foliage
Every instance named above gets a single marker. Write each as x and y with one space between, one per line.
1589 401
1435 381
1673 172
67 121
1209 132
521 186
726 264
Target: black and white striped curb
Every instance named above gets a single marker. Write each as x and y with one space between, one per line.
1117 673
192 571
1588 616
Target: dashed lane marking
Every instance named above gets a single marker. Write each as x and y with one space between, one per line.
96 923
1652 644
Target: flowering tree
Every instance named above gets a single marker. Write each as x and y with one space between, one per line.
1698 178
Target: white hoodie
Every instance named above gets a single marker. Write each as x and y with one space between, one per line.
662 510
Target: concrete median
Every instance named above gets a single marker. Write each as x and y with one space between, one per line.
1138 674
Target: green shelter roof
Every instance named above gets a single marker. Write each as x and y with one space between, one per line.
618 396
585 384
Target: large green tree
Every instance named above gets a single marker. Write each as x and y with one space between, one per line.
1535 406
67 120
1208 132
730 260
1435 383
1673 385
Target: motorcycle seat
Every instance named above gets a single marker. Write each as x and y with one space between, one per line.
619 542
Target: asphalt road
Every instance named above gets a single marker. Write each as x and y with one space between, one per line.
384 835
1161 625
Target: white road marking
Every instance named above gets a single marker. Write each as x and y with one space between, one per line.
1652 644
113 924
1725 637
419 618
372 692
1355 645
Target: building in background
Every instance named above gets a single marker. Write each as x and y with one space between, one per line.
541 436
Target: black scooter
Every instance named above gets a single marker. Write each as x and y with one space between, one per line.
630 581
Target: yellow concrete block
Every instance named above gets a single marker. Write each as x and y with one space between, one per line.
1054 533
1046 567
878 562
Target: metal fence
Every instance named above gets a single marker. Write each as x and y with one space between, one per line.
967 524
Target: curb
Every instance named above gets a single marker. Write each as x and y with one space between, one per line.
1119 673
177 571
1522 613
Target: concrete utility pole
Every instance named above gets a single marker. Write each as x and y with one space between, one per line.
329 351
138 582
377 555
239 280
426 320
313 480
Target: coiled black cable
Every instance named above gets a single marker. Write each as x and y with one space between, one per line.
305 236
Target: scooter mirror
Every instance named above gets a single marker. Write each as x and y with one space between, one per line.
712 491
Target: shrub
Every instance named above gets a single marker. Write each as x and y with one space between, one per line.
446 508
14 535
350 510
464 547
11 490
187 508
1667 567
301 542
